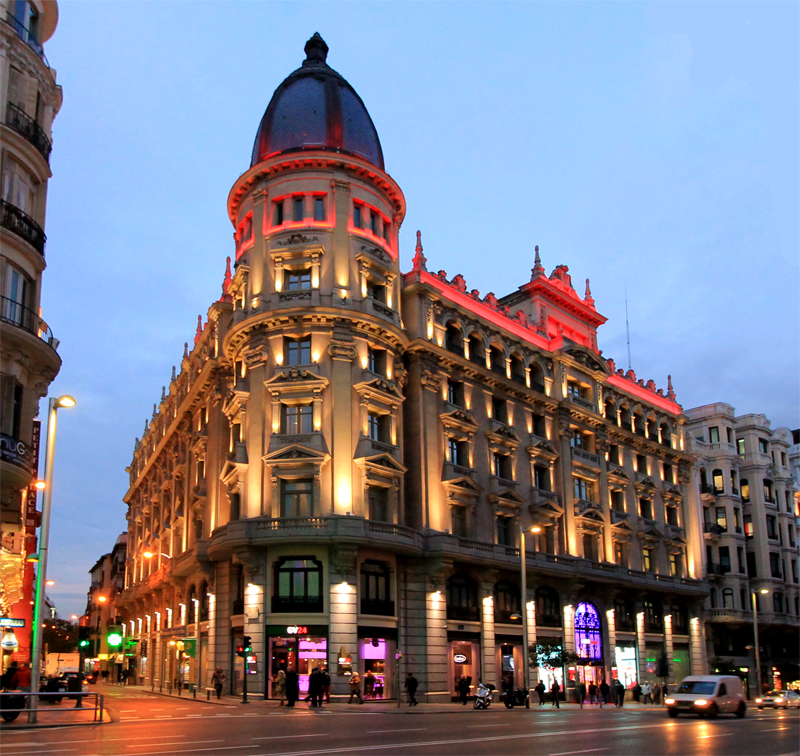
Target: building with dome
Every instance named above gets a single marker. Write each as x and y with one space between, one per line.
30 98
340 467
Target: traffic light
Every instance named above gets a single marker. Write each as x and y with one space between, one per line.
84 637
114 636
245 648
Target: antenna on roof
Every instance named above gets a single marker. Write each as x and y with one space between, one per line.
627 327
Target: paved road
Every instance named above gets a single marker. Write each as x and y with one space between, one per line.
151 725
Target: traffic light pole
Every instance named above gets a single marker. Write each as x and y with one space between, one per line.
244 681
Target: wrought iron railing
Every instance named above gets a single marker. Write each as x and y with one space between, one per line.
22 225
14 313
26 36
23 124
378 607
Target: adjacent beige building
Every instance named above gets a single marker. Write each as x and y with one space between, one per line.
341 464
749 520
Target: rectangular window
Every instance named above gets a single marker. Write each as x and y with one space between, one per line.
376 361
794 570
583 489
713 435
376 291
319 208
374 222
378 504
499 410
783 458
297 419
379 427
648 561
646 509
740 559
641 464
729 431
725 558
357 216
298 212
778 602
298 351
675 565
772 527
672 516
722 518
539 426
740 446
458 521
297 280
541 477
504 531
501 466
455 393
296 497
748 526
668 474
575 389
763 446
618 501
614 455
386 231
752 570
277 215
590 547
621 553
775 564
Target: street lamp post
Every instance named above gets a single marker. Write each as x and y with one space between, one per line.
757 653
524 580
44 545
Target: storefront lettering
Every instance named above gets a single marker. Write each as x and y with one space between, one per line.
296 630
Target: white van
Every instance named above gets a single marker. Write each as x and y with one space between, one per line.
708 695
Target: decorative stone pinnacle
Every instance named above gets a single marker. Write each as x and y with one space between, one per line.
670 390
588 295
185 349
226 282
163 393
419 259
316 51
172 378
537 269
199 331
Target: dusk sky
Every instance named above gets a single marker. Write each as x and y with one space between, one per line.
650 147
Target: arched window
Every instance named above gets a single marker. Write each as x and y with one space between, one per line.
727 598
453 341
718 481
666 435
297 585
517 369
611 411
191 598
203 600
652 429
548 607
462 599
638 425
507 603
588 639
537 377
498 361
625 417
477 354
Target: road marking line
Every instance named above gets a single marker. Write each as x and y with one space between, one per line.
198 750
161 709
188 742
194 715
775 729
588 750
410 729
163 716
296 735
717 735
127 711
475 727
52 750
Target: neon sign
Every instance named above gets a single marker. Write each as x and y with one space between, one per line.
587 633
460 659
296 630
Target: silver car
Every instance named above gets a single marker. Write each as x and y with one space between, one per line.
779 699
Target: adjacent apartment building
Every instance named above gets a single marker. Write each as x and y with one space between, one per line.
750 512
341 466
29 101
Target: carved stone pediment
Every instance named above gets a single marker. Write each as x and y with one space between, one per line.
296 453
588 359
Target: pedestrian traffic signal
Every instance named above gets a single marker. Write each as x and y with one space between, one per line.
114 636
84 637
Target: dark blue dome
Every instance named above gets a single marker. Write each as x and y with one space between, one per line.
316 109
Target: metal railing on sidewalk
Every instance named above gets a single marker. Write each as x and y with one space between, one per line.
14 703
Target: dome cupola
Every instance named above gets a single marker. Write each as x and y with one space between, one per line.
316 109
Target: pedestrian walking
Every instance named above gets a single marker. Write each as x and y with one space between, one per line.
279 686
647 693
604 691
411 685
104 675
369 684
218 680
580 692
463 689
326 685
636 691
656 694
555 688
541 690
592 693
315 687
292 687
355 688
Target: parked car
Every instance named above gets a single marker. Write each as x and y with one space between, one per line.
779 699
707 696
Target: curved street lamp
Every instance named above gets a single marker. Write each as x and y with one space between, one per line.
44 543
763 591
526 657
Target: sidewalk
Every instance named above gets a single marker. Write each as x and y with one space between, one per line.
256 701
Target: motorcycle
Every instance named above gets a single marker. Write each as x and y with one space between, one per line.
483 696
518 697
11 702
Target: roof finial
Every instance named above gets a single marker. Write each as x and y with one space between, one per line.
670 390
316 51
588 295
537 269
163 393
155 412
199 331
185 349
172 377
419 259
226 282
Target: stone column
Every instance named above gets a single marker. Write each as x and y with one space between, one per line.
602 447
668 646
489 671
343 631
341 391
255 576
438 683
696 645
641 667
565 433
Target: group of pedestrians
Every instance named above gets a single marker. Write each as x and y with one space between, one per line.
649 693
286 687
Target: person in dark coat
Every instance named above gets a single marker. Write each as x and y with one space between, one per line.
592 693
604 691
411 686
326 685
637 692
580 692
315 687
541 690
555 688
463 689
8 676
292 687
619 694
